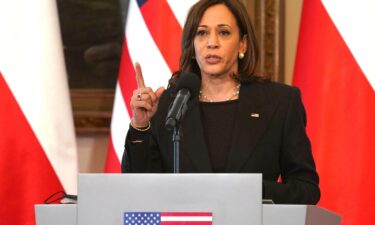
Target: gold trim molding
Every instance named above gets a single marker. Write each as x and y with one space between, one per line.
268 18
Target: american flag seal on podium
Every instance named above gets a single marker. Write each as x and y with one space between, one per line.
168 218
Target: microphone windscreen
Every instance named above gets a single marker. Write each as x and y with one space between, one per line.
190 81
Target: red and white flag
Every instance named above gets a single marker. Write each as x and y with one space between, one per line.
37 140
152 38
335 69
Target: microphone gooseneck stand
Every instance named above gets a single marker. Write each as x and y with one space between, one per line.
175 124
187 85
176 138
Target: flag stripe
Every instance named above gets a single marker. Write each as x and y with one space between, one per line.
361 46
143 49
165 30
180 9
27 176
186 223
340 104
126 77
112 164
186 214
186 218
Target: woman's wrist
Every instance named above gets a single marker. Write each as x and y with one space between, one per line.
140 128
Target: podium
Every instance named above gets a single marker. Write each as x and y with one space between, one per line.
232 199
298 215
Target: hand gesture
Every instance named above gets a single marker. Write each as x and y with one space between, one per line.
144 101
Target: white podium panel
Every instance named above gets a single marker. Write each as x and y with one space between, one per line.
232 198
298 215
63 214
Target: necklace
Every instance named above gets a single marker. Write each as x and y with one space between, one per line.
234 94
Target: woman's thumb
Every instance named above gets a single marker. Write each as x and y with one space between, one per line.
159 92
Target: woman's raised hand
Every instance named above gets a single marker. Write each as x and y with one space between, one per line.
144 101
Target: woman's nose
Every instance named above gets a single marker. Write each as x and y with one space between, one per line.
213 41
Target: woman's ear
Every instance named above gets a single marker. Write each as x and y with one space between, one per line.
243 44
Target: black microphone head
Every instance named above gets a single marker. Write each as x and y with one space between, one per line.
190 81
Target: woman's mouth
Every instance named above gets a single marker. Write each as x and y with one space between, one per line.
212 59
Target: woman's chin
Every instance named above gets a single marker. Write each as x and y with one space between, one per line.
217 73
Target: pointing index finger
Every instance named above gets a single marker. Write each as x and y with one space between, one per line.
139 76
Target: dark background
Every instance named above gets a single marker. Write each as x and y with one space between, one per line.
92 34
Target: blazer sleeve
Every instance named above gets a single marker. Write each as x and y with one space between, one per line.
141 153
300 181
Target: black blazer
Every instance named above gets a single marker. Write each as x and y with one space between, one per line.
274 144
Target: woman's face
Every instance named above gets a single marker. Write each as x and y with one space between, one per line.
217 42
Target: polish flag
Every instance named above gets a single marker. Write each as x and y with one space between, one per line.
152 38
37 140
335 69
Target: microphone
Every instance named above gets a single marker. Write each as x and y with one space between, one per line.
188 85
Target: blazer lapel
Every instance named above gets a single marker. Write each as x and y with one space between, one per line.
193 144
254 112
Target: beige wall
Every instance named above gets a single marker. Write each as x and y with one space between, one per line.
92 150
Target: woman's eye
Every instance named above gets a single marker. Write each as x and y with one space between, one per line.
224 33
201 32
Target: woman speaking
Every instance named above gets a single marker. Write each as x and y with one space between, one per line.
238 122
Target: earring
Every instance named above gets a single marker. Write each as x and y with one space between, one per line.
241 55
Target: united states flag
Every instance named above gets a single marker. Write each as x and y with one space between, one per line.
168 218
152 38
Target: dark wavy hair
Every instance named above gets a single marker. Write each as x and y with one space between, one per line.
188 63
